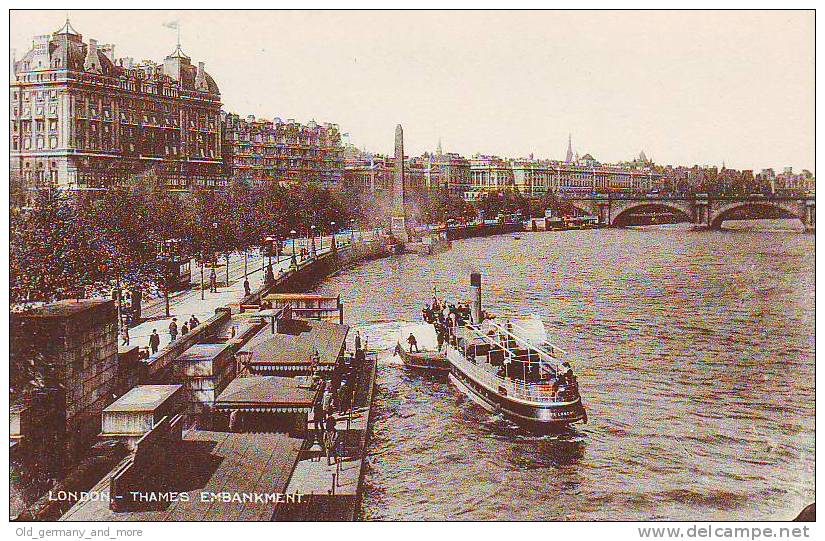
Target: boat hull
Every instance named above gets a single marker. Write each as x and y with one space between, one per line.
430 361
535 417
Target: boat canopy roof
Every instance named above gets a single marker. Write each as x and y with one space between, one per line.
509 338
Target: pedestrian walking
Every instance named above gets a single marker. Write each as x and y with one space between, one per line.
330 440
184 329
357 341
213 281
318 416
326 401
124 334
173 329
247 290
154 341
193 322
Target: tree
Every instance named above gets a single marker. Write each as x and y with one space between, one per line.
505 202
558 205
51 254
440 206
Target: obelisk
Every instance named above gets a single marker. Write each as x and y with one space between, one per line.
399 215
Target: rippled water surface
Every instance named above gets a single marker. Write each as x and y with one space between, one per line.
695 357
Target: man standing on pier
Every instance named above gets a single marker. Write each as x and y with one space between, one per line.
330 440
413 343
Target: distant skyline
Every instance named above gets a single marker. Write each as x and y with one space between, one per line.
686 87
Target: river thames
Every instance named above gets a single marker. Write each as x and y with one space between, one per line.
695 357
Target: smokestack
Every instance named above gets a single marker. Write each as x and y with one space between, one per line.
475 287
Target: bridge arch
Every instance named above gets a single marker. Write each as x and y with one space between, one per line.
785 209
621 215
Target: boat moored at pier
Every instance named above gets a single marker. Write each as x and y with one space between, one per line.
502 369
510 367
428 356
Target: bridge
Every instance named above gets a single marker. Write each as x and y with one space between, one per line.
703 210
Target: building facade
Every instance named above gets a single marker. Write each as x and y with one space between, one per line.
373 173
536 178
257 151
82 119
488 174
450 172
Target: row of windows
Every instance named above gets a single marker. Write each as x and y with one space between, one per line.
39 95
38 142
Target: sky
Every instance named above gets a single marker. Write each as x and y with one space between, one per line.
686 87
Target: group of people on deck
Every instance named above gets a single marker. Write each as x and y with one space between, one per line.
445 318
337 395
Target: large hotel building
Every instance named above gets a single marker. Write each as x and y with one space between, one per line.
82 119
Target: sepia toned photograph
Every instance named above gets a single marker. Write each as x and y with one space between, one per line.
412 265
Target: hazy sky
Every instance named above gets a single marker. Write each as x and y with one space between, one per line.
687 87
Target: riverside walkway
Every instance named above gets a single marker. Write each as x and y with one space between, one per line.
188 303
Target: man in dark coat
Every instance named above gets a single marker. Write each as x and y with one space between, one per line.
173 329
154 341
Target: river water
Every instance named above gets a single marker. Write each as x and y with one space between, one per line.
695 358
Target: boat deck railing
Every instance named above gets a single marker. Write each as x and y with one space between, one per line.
547 349
533 392
515 347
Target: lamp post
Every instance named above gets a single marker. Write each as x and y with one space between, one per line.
202 258
278 250
312 242
332 233
292 234
352 231
270 240
269 277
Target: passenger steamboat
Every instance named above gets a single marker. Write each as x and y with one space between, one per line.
510 367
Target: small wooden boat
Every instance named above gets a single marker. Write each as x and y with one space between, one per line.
428 357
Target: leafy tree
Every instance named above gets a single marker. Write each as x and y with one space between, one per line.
506 201
51 256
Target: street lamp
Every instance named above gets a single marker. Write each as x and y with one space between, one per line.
312 242
332 232
292 234
352 231
269 242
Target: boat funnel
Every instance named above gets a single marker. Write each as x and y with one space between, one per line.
475 287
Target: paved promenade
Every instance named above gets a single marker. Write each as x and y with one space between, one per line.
188 303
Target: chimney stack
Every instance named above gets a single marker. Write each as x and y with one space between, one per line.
475 287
